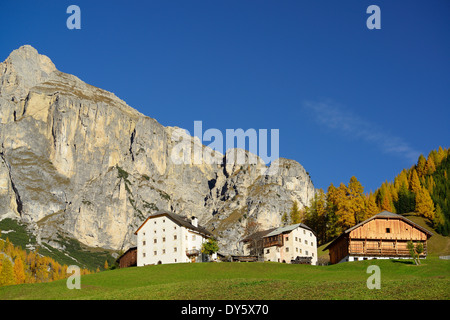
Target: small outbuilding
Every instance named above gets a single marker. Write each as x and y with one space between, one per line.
128 259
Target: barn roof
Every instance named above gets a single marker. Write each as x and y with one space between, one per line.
123 254
289 228
180 220
258 235
384 214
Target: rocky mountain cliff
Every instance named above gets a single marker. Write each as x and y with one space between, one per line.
78 162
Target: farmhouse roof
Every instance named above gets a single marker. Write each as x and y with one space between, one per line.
258 235
276 231
287 229
123 254
180 220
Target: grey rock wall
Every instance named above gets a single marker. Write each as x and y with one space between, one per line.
78 161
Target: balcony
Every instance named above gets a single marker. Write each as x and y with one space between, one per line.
273 241
384 249
192 252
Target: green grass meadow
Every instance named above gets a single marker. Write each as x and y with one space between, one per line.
400 279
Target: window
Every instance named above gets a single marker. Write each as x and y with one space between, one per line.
287 249
300 250
164 220
143 254
175 249
164 239
193 237
154 231
164 251
287 238
304 231
268 251
312 245
143 243
164 230
312 254
155 253
175 237
296 239
388 230
306 252
155 241
310 234
155 222
306 241
143 233
175 228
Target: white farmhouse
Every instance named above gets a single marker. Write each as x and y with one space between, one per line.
166 237
283 244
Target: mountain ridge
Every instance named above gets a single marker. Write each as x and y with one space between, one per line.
78 162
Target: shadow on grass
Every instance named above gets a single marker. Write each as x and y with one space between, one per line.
403 261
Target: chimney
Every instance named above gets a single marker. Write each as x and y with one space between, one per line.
194 221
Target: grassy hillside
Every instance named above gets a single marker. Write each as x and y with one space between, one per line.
437 244
242 281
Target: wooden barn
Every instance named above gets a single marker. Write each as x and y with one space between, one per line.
382 236
128 259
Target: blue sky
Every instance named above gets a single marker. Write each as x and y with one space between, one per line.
347 100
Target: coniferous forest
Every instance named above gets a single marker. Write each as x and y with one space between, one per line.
19 266
423 189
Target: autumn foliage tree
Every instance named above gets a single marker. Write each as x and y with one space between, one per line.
424 204
423 189
329 214
295 214
19 266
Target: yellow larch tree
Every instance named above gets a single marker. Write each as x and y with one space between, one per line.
414 184
19 270
371 206
424 204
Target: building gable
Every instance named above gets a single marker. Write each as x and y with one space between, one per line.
179 220
384 229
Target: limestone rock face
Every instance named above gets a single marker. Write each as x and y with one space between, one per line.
77 161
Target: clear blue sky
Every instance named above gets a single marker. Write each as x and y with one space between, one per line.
347 100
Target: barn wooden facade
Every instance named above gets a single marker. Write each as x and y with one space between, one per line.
384 235
128 259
